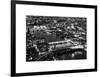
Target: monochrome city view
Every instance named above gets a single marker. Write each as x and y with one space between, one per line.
52 38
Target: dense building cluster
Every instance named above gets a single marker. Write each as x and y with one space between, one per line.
55 38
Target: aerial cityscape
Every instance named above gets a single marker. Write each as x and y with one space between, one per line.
51 38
